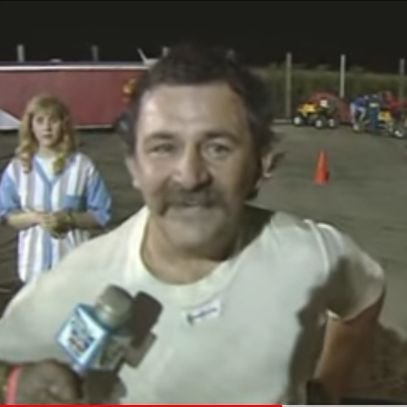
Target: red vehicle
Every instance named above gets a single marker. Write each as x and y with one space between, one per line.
95 93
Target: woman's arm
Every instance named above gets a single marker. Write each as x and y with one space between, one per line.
23 220
84 220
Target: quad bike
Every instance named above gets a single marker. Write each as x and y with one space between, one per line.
381 114
306 114
386 125
363 124
319 115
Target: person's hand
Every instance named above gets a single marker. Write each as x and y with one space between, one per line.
37 217
57 223
47 382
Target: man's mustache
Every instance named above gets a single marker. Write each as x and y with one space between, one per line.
205 197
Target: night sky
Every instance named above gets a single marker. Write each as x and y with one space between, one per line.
373 35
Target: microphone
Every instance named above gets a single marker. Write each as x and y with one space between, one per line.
114 331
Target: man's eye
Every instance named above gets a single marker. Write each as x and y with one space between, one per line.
162 149
218 150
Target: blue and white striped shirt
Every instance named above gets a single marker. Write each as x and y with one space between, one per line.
79 187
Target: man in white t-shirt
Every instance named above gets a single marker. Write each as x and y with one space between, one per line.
245 291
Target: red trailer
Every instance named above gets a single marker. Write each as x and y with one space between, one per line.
93 92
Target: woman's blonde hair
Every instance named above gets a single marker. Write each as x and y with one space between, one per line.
28 144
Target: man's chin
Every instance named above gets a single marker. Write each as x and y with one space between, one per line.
193 223
191 239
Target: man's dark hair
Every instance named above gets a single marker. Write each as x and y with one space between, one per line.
192 65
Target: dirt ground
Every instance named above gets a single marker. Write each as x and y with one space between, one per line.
365 197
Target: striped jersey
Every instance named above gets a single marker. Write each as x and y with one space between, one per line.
79 187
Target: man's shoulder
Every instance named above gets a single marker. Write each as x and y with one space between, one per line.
314 237
291 224
291 229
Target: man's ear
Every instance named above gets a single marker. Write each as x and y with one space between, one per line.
133 170
269 162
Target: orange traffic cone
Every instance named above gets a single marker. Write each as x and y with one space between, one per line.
321 173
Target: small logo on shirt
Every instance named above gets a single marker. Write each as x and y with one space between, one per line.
204 312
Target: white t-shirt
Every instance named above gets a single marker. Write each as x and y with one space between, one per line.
258 343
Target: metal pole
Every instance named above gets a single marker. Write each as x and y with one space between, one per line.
20 53
342 75
95 53
402 73
288 84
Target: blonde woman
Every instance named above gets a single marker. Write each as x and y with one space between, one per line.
51 193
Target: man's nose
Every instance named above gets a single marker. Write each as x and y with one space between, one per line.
192 171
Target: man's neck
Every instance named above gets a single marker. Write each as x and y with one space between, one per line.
174 266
